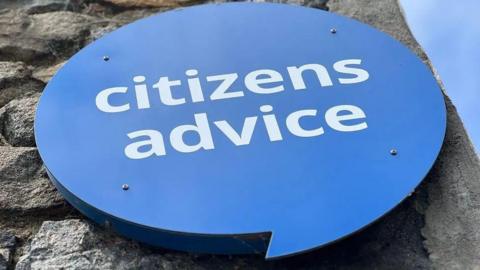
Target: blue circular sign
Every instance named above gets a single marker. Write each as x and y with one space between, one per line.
240 128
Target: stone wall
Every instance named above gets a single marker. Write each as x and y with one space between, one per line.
438 227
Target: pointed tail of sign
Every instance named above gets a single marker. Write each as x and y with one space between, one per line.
283 244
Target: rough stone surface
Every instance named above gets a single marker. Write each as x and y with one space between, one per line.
41 37
3 141
133 15
12 71
76 244
43 6
452 219
44 74
436 228
23 181
15 81
7 245
16 120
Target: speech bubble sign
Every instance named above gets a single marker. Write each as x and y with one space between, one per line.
240 128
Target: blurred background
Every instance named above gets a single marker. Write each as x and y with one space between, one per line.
449 31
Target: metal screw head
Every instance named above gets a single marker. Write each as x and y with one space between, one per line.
333 30
106 58
125 187
393 152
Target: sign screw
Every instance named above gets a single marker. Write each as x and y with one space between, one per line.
106 58
393 152
333 31
125 187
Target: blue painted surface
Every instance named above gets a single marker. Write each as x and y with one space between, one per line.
305 192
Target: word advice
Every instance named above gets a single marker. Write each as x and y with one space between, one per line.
263 81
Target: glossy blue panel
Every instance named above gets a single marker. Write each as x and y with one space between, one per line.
304 191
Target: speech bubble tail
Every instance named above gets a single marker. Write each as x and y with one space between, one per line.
284 244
